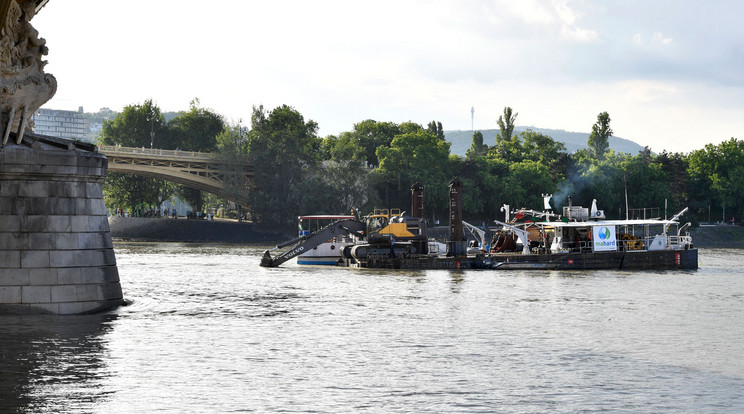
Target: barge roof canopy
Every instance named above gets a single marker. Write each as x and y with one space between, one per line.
607 223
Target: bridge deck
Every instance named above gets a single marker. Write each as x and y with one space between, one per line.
201 170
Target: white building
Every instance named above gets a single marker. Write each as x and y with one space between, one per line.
61 124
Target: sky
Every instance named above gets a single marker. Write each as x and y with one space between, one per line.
670 73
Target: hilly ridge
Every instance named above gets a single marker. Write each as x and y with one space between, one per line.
462 140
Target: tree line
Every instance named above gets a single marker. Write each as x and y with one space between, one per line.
374 165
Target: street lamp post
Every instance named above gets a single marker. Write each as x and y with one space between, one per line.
152 127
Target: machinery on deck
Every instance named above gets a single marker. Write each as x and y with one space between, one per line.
307 242
382 233
390 233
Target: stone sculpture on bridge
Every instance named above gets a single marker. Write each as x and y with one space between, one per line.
25 86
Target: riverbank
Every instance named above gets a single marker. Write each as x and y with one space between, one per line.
182 230
723 235
230 231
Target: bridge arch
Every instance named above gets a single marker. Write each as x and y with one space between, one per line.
198 170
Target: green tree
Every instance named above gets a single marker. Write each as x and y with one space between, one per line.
543 149
415 156
506 125
435 128
285 153
508 146
371 135
477 148
721 168
599 139
675 167
133 128
194 130
647 182
526 182
232 153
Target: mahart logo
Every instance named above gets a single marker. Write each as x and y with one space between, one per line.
604 238
604 233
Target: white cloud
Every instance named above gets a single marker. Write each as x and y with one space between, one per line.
558 63
661 39
579 34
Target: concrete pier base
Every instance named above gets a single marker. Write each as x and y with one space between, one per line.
56 254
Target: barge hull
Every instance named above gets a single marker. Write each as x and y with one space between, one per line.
622 260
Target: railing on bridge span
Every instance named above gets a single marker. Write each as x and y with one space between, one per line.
190 155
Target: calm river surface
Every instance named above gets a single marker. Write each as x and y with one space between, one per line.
208 330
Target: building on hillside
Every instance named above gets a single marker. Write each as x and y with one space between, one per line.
62 124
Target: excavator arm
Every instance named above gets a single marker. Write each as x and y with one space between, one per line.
305 243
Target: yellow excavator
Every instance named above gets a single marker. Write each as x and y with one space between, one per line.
384 232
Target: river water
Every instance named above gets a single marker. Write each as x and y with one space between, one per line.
208 330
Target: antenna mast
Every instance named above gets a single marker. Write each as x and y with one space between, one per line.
472 117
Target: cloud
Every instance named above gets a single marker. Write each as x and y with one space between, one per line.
659 38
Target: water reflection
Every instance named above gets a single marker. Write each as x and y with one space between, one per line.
45 360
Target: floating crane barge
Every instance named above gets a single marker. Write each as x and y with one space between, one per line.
578 240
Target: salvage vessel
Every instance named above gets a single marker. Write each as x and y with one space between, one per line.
578 239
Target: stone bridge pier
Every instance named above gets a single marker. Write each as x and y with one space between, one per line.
56 254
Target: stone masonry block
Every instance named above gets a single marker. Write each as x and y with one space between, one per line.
90 240
9 188
80 224
99 223
14 277
10 259
111 291
93 190
88 292
33 189
34 258
13 241
45 276
35 206
109 258
98 207
36 294
35 224
66 241
10 294
75 308
9 223
45 241
63 206
59 224
8 205
66 258
111 274
73 276
64 293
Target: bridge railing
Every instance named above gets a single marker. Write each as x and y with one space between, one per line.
119 150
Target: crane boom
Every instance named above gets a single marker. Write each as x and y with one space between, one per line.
305 243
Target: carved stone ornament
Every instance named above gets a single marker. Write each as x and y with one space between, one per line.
24 87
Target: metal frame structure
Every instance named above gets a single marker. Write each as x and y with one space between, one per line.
199 170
